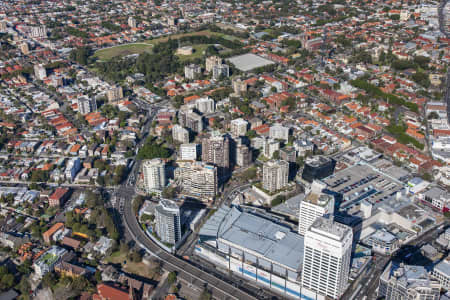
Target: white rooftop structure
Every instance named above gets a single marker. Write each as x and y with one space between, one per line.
255 234
249 61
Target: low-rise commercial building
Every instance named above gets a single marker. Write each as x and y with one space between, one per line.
382 242
407 282
441 272
47 261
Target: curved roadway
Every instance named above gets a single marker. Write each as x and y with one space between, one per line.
125 193
186 271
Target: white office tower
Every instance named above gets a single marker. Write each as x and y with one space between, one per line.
180 134
275 175
316 204
168 224
238 127
154 174
326 260
39 72
86 105
188 152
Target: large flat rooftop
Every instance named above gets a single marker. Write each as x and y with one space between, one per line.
363 182
254 233
247 62
290 207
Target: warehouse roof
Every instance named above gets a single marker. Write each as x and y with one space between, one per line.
257 234
249 61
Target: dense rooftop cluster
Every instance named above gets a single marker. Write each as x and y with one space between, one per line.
219 105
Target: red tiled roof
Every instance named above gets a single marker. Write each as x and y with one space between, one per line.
107 292
59 193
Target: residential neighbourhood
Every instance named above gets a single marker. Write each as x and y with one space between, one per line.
224 149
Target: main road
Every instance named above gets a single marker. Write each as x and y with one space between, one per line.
184 270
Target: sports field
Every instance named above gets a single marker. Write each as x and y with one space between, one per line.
123 50
137 48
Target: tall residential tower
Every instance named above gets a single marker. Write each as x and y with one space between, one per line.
154 175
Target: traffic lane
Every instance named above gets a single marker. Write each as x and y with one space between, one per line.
185 270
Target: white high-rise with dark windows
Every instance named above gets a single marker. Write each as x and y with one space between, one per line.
327 258
168 224
154 174
180 134
39 72
275 175
86 105
316 204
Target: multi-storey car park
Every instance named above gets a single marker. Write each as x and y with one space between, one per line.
362 182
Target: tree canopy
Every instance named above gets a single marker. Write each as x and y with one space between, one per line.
152 149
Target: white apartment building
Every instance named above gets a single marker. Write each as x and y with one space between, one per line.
132 22
327 258
275 175
39 72
38 31
188 152
192 71
280 132
72 168
86 105
270 146
47 261
221 70
211 62
114 94
180 134
238 127
205 105
198 179
154 174
168 224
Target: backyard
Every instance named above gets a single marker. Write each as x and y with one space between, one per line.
141 269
